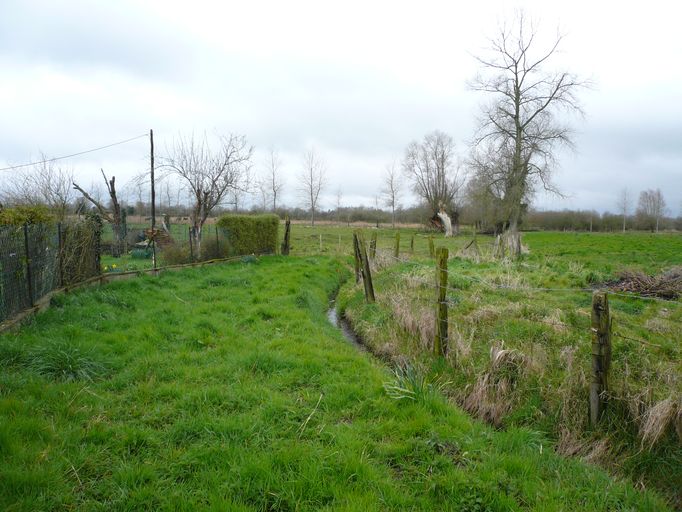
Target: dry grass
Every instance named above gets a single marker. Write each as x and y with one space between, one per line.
416 319
491 397
659 419
492 312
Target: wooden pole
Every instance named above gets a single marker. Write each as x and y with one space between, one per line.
217 243
366 271
601 355
29 276
440 342
396 251
373 246
357 258
412 245
432 250
191 249
320 242
287 231
151 158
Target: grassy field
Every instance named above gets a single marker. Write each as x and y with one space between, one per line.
520 341
225 388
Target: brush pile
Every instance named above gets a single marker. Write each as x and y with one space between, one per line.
667 285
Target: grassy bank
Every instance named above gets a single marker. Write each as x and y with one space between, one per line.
226 388
520 344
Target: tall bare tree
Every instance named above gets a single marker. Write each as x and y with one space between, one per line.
274 177
520 125
391 190
430 166
623 203
43 184
209 173
312 180
650 208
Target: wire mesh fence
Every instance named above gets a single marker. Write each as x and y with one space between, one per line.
36 259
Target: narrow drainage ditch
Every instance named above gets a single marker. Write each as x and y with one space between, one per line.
344 326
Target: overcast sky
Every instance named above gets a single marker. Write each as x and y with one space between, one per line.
356 80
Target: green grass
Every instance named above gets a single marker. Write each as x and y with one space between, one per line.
498 305
225 388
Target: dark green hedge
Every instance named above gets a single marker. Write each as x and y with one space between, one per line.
250 234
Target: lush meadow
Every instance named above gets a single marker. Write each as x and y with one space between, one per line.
226 388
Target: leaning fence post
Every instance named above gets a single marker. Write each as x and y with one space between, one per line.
356 257
373 246
432 250
440 343
601 355
29 278
366 272
396 251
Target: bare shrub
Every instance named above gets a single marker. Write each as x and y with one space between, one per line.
667 285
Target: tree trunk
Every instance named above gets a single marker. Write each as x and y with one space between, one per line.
447 223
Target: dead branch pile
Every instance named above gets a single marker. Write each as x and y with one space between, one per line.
667 285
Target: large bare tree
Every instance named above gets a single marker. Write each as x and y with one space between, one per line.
209 173
312 180
650 208
274 177
431 167
391 189
521 125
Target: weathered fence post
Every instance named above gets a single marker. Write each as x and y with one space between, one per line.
601 355
366 272
432 250
320 243
60 256
412 245
396 251
217 243
356 257
373 246
191 248
287 233
29 277
440 342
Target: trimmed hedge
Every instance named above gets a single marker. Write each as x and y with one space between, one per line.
22 214
250 234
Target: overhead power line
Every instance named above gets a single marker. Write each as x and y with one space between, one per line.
74 154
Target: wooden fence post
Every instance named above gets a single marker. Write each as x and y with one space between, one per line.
287 233
601 355
217 242
396 251
356 257
373 246
366 272
412 245
440 343
60 255
29 277
432 250
191 248
320 243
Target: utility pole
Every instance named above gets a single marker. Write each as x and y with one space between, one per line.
151 154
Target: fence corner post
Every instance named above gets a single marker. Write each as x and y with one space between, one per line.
601 355
440 342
